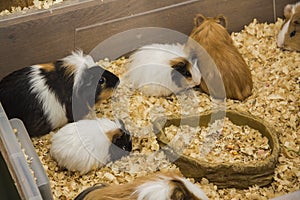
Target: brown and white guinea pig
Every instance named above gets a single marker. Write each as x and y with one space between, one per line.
47 96
234 73
289 35
90 144
159 186
161 69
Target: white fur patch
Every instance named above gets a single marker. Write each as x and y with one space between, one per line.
149 69
81 62
55 112
154 190
83 145
160 189
281 35
194 189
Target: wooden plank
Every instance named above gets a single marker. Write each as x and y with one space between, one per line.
178 17
49 35
43 36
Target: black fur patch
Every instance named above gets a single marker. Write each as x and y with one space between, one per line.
86 94
19 102
179 71
121 146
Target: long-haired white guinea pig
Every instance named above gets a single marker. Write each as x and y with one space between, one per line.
90 144
162 69
47 96
289 35
159 186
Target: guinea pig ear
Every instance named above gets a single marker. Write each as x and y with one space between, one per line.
198 20
296 21
287 12
221 19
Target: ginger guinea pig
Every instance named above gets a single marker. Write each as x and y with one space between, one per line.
234 74
289 35
90 144
47 96
162 69
159 186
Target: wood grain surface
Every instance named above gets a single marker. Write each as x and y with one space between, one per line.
45 35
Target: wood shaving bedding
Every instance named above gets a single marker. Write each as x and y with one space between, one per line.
275 98
221 141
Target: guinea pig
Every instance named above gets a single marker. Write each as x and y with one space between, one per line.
289 34
159 186
161 69
90 144
231 71
47 96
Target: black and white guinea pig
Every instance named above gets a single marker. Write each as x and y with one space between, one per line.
289 35
161 69
90 144
47 96
159 186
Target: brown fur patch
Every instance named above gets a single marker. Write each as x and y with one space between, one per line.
114 134
47 67
70 69
179 191
126 191
235 73
293 43
175 61
185 62
105 94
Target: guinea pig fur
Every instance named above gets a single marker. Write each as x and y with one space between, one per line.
90 144
159 186
289 34
162 69
47 96
235 74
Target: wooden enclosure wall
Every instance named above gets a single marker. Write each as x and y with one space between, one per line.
45 35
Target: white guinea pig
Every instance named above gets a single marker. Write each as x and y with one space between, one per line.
161 69
47 96
289 35
90 144
160 186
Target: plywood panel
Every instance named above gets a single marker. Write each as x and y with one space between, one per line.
178 17
42 36
48 35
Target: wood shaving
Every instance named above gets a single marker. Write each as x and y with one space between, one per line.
221 141
275 98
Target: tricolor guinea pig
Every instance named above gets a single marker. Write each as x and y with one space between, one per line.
289 35
47 96
162 69
234 73
90 144
160 186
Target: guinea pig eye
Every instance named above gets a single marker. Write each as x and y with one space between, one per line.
101 81
187 74
293 33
